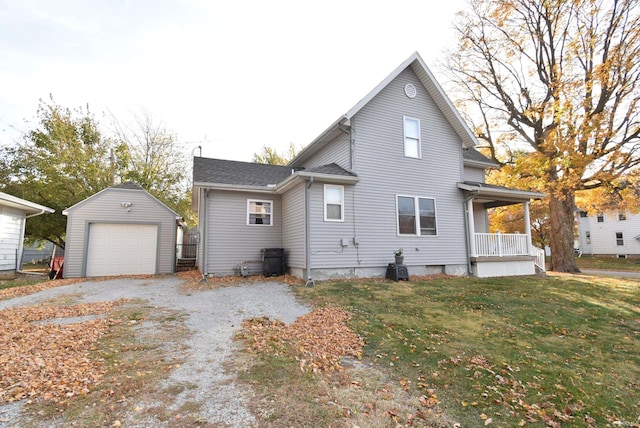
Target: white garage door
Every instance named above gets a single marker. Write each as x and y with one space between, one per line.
122 249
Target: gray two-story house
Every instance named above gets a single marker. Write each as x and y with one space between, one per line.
398 170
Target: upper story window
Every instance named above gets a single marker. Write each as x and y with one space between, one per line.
622 216
259 212
583 214
412 137
333 202
619 238
600 218
416 216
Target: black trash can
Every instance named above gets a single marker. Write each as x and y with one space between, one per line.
272 261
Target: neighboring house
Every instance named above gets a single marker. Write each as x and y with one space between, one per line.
398 170
14 213
612 233
121 230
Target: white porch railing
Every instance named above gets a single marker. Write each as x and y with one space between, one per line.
500 244
540 258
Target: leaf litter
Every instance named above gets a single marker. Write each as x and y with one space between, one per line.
51 360
319 339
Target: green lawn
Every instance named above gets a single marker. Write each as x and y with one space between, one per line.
507 352
608 263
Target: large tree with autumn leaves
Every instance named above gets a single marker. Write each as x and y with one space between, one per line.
560 80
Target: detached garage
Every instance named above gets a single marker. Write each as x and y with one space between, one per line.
121 230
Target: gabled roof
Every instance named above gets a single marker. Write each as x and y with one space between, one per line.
27 206
419 67
128 186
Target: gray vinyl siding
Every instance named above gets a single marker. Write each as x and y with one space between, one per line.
480 219
326 236
202 229
104 207
385 172
11 223
336 151
230 241
293 234
474 174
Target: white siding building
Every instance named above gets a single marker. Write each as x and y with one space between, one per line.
612 234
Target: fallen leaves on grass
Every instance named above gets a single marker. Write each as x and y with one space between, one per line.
10 293
50 360
198 283
318 340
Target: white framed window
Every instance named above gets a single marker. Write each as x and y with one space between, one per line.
622 216
619 239
587 236
412 137
333 202
416 216
600 218
259 212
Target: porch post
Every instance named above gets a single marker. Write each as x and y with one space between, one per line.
472 228
527 227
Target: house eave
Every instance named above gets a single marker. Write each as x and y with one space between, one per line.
281 187
321 140
512 195
236 187
24 205
479 164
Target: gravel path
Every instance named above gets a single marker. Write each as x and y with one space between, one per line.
213 317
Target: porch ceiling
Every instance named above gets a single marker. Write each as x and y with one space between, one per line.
492 196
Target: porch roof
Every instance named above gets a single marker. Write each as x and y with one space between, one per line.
497 196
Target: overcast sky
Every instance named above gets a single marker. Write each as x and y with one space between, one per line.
230 76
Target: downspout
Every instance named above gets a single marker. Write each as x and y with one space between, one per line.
466 228
307 230
202 232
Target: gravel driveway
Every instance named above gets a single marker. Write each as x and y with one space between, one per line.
213 317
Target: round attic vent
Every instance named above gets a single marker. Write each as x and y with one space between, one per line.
410 90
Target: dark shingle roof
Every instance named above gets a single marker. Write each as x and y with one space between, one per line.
332 169
474 155
222 171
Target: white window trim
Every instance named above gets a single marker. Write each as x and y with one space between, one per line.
416 207
324 195
404 137
621 239
249 212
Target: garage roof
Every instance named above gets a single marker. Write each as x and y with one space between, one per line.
24 205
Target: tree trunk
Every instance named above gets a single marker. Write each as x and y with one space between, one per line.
562 225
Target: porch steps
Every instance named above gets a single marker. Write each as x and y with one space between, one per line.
185 265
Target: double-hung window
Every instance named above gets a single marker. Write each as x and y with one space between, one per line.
259 212
619 239
333 202
412 137
416 216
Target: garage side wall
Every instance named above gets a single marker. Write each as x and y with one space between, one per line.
106 207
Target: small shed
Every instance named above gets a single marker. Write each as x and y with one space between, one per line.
121 230
14 213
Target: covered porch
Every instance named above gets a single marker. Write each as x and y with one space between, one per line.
499 254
